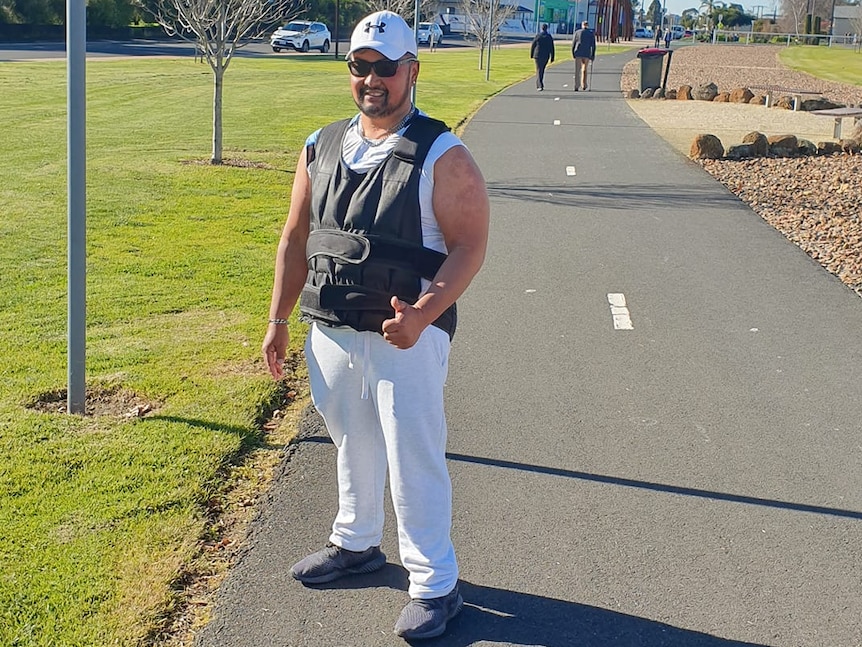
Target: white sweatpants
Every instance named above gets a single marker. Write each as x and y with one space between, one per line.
384 407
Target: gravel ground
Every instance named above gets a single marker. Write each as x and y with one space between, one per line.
815 202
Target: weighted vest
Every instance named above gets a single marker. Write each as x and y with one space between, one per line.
365 242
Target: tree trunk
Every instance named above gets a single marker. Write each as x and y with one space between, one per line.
218 78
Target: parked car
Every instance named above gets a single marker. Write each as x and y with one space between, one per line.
302 36
423 33
642 32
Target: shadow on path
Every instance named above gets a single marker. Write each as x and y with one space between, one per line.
633 483
607 198
497 617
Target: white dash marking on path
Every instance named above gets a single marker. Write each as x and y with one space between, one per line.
570 171
556 98
619 311
556 122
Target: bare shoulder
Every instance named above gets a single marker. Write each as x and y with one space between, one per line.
460 196
456 166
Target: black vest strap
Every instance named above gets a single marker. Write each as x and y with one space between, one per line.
345 247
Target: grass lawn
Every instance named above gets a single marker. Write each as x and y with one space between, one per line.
832 63
101 516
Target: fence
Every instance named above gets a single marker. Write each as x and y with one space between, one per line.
753 37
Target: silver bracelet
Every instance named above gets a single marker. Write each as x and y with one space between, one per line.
278 322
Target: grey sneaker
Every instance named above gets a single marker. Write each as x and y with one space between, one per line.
332 562
427 618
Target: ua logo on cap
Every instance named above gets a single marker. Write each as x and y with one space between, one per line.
369 27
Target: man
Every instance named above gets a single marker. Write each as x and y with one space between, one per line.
542 51
584 52
387 226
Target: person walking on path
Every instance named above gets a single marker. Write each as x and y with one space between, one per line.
657 37
584 52
667 36
542 51
387 226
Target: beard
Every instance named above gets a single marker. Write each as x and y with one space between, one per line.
382 107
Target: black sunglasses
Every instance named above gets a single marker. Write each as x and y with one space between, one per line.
384 67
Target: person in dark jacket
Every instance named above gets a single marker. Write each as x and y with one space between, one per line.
584 52
542 51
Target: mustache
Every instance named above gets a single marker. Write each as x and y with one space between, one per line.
365 90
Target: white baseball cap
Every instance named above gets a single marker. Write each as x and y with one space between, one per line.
384 32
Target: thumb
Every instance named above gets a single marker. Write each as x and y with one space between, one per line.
397 304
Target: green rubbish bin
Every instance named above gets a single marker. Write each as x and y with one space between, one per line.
650 71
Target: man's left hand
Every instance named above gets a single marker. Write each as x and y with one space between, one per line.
403 330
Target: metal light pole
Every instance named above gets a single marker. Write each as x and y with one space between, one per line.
337 15
416 39
76 105
490 38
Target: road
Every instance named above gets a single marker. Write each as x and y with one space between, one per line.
112 49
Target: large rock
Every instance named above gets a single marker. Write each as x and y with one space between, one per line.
647 93
851 146
783 145
740 151
759 143
658 94
785 102
806 147
705 92
634 94
758 100
707 147
828 148
819 104
684 93
722 97
670 93
741 95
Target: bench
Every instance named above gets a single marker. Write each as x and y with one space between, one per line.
839 114
770 90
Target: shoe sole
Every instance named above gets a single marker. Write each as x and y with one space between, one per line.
437 631
363 569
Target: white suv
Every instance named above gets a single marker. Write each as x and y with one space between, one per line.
302 36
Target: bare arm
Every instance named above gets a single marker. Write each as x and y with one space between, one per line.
290 270
460 201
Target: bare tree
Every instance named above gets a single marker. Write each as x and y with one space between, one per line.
218 28
794 10
404 8
477 14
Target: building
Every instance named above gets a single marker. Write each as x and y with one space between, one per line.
847 20
563 16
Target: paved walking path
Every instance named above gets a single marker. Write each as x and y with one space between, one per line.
693 481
